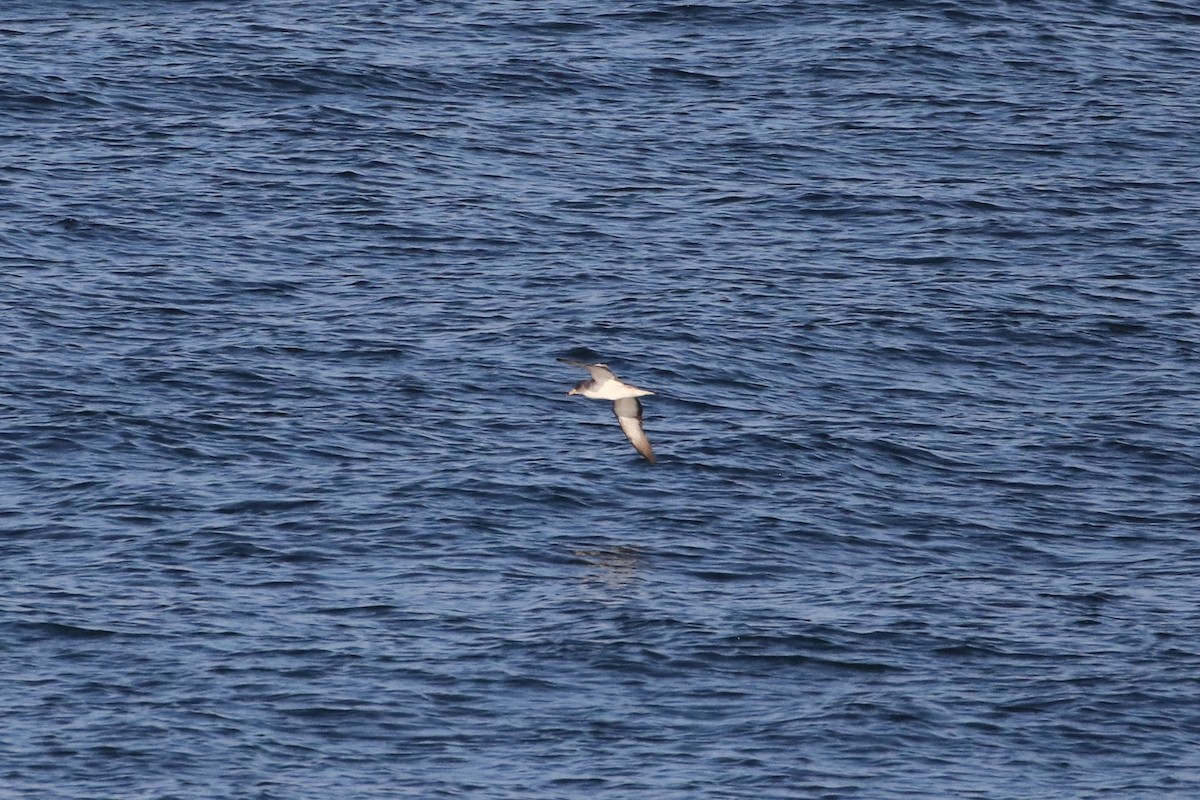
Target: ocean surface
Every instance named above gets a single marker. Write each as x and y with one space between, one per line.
293 503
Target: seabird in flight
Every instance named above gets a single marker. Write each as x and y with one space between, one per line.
605 386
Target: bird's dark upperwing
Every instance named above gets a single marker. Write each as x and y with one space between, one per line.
599 372
629 414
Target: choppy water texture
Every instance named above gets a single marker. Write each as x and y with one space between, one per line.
294 504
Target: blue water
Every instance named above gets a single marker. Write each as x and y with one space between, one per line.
293 503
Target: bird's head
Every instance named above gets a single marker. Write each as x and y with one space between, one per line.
578 388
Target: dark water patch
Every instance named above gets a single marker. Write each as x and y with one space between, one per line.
56 630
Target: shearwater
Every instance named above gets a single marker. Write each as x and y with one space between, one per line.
604 385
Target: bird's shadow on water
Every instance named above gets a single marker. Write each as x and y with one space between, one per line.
611 568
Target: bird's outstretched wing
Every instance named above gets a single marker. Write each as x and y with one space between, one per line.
629 414
599 372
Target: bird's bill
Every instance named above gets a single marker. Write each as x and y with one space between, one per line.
573 391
